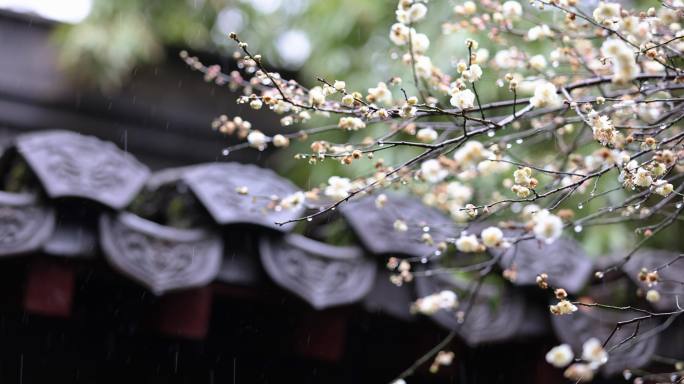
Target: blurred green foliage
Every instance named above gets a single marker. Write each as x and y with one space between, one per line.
347 38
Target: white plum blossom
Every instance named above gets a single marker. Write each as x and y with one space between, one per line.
420 43
471 153
545 95
482 55
443 300
351 123
538 32
316 96
380 94
547 226
564 307
594 353
459 193
537 62
529 211
511 10
467 8
468 243
560 356
414 13
293 201
458 212
508 58
426 135
400 225
257 140
432 171
492 165
280 141
423 67
256 104
380 201
643 178
472 74
492 236
625 67
399 34
523 176
653 296
464 99
348 100
663 188
338 187
607 13
579 373
603 129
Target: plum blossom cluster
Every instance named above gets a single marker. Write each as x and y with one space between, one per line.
593 357
546 115
429 305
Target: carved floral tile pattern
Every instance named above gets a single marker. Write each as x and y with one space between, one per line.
24 224
321 274
162 258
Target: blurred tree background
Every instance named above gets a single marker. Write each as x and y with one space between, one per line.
333 39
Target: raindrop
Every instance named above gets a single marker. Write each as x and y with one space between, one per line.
424 260
438 253
226 152
580 206
637 206
578 228
426 229
309 218
509 146
490 133
519 141
678 205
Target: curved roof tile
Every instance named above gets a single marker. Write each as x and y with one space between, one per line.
216 187
564 261
69 164
321 274
375 226
160 257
